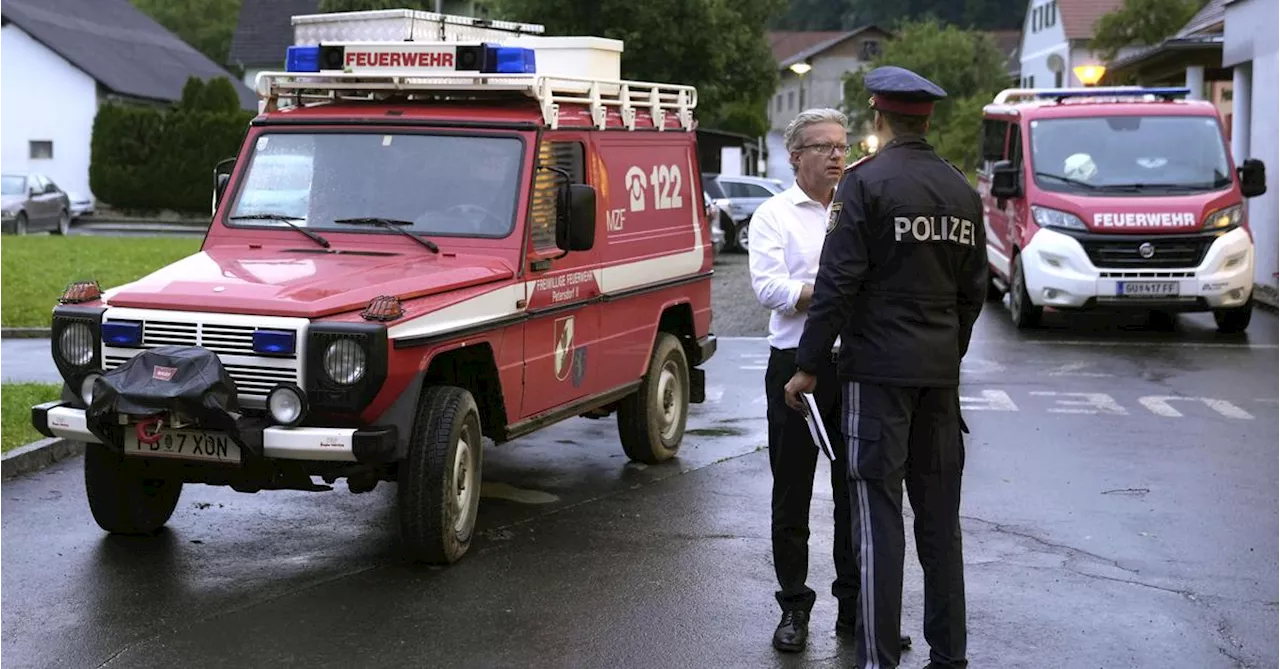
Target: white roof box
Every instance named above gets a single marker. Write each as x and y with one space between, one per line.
596 58
398 25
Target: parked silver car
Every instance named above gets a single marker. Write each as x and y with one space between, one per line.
33 202
737 197
713 219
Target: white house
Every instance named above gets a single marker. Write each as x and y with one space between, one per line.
1249 48
61 59
1055 41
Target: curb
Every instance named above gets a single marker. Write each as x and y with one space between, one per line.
1265 296
26 333
37 455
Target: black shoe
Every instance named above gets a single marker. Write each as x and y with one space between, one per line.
844 625
792 632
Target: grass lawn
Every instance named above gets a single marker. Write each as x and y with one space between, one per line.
37 268
16 400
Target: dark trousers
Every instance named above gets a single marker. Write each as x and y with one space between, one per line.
895 433
793 459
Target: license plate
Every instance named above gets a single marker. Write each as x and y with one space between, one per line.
185 445
1147 288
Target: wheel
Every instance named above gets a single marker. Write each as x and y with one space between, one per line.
742 235
122 497
651 421
64 223
1025 314
439 495
1234 321
20 223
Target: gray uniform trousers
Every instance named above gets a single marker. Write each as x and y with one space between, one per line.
894 433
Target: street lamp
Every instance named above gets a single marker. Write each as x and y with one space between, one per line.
801 68
1089 75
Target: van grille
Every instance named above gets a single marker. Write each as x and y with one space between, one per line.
229 339
1167 251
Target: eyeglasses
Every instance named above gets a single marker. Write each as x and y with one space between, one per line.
828 148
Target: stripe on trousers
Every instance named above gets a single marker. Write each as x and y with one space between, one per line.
864 524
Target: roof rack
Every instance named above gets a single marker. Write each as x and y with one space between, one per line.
1012 95
549 91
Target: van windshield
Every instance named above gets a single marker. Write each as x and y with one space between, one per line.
445 185
1140 155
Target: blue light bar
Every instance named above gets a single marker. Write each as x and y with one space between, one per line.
273 342
302 59
510 60
1103 91
122 333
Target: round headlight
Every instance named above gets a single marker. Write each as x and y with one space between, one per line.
344 361
86 388
76 345
286 404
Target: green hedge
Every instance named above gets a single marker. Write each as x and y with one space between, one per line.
146 158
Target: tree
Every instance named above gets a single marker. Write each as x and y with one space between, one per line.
716 45
1141 23
966 64
207 25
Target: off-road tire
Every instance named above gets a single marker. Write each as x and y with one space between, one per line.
651 421
439 487
1234 321
1025 315
122 497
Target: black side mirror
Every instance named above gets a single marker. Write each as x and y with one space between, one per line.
1004 181
221 175
576 226
1253 178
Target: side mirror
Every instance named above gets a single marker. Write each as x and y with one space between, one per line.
1253 178
221 175
1004 180
576 226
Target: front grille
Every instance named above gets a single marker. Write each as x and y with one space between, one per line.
1169 252
228 339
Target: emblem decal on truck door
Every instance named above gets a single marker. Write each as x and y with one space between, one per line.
564 347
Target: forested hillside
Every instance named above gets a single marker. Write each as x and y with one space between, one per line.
848 14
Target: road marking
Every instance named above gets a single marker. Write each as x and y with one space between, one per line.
980 366
993 400
1098 402
1073 369
714 394
1159 405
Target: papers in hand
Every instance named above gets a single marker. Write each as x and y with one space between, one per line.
816 428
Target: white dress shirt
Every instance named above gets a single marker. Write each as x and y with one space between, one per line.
784 245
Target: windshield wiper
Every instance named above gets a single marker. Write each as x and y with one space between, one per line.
1153 186
287 220
1067 180
391 224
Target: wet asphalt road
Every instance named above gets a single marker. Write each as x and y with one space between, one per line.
1105 526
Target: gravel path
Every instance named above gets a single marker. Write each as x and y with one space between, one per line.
735 311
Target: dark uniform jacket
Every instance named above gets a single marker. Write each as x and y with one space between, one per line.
903 274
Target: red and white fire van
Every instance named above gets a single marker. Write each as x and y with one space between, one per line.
1116 199
422 242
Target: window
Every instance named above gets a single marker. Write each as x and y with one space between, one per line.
993 136
779 102
1014 154
545 205
41 149
870 49
791 100
802 96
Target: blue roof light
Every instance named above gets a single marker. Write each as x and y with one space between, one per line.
302 59
510 60
1103 91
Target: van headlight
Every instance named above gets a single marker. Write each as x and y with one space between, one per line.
345 361
1053 218
1223 219
346 364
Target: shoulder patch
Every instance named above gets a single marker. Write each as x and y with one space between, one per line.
860 161
833 216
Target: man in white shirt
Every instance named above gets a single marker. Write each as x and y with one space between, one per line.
785 243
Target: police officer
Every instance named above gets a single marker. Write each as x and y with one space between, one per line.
901 281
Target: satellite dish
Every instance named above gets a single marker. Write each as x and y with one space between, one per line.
1055 63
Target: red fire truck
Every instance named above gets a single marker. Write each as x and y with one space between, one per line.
1116 199
422 243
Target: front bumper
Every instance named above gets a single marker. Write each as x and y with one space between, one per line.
373 445
1060 274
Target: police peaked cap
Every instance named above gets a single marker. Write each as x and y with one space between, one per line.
901 91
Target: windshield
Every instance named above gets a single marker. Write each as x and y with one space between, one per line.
12 185
445 185
1129 154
